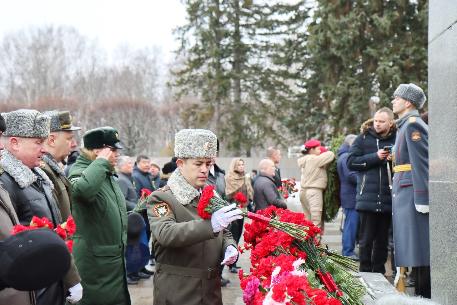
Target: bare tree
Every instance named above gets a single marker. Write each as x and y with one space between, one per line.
42 62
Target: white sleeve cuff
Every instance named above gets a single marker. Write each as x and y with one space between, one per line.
422 208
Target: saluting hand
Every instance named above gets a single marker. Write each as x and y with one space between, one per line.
105 153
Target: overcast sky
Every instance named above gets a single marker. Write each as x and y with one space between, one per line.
139 23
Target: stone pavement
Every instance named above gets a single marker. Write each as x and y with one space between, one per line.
141 294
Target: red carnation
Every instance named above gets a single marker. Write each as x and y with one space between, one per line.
19 228
70 226
41 222
241 199
69 244
205 202
145 193
61 232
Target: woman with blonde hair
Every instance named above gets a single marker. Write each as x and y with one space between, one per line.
236 181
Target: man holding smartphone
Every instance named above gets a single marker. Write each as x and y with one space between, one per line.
369 156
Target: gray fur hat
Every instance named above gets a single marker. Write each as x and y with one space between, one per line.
26 123
195 143
411 93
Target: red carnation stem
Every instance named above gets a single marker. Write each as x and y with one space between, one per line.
258 217
329 283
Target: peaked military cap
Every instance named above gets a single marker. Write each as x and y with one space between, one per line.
411 93
102 137
32 260
195 143
26 123
61 121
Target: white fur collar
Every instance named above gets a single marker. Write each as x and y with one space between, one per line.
23 175
181 189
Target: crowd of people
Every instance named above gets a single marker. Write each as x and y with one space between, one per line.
384 190
384 195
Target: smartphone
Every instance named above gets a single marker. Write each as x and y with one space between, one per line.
388 148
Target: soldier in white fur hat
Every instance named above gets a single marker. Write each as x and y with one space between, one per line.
190 250
410 202
29 187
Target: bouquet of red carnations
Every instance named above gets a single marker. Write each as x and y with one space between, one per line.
64 230
289 270
281 238
288 186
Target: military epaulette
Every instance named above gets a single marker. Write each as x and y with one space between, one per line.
412 119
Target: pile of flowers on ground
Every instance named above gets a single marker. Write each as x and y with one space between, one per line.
295 271
65 230
288 186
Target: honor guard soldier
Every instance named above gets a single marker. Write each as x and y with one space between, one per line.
410 204
190 250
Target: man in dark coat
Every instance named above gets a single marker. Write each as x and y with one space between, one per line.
124 173
274 154
58 145
369 156
189 249
141 175
410 186
29 187
142 179
348 186
101 218
125 167
8 219
155 174
265 191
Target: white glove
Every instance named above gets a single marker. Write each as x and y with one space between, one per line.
230 256
76 293
224 216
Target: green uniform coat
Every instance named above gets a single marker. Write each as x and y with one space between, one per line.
61 193
188 253
101 221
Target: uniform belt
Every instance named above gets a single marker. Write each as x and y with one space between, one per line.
402 168
208 273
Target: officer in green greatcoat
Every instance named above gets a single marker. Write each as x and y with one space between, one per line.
190 251
100 214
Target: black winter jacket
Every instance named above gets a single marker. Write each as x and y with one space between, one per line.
30 191
373 191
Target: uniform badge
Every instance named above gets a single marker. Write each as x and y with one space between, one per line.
161 209
416 136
